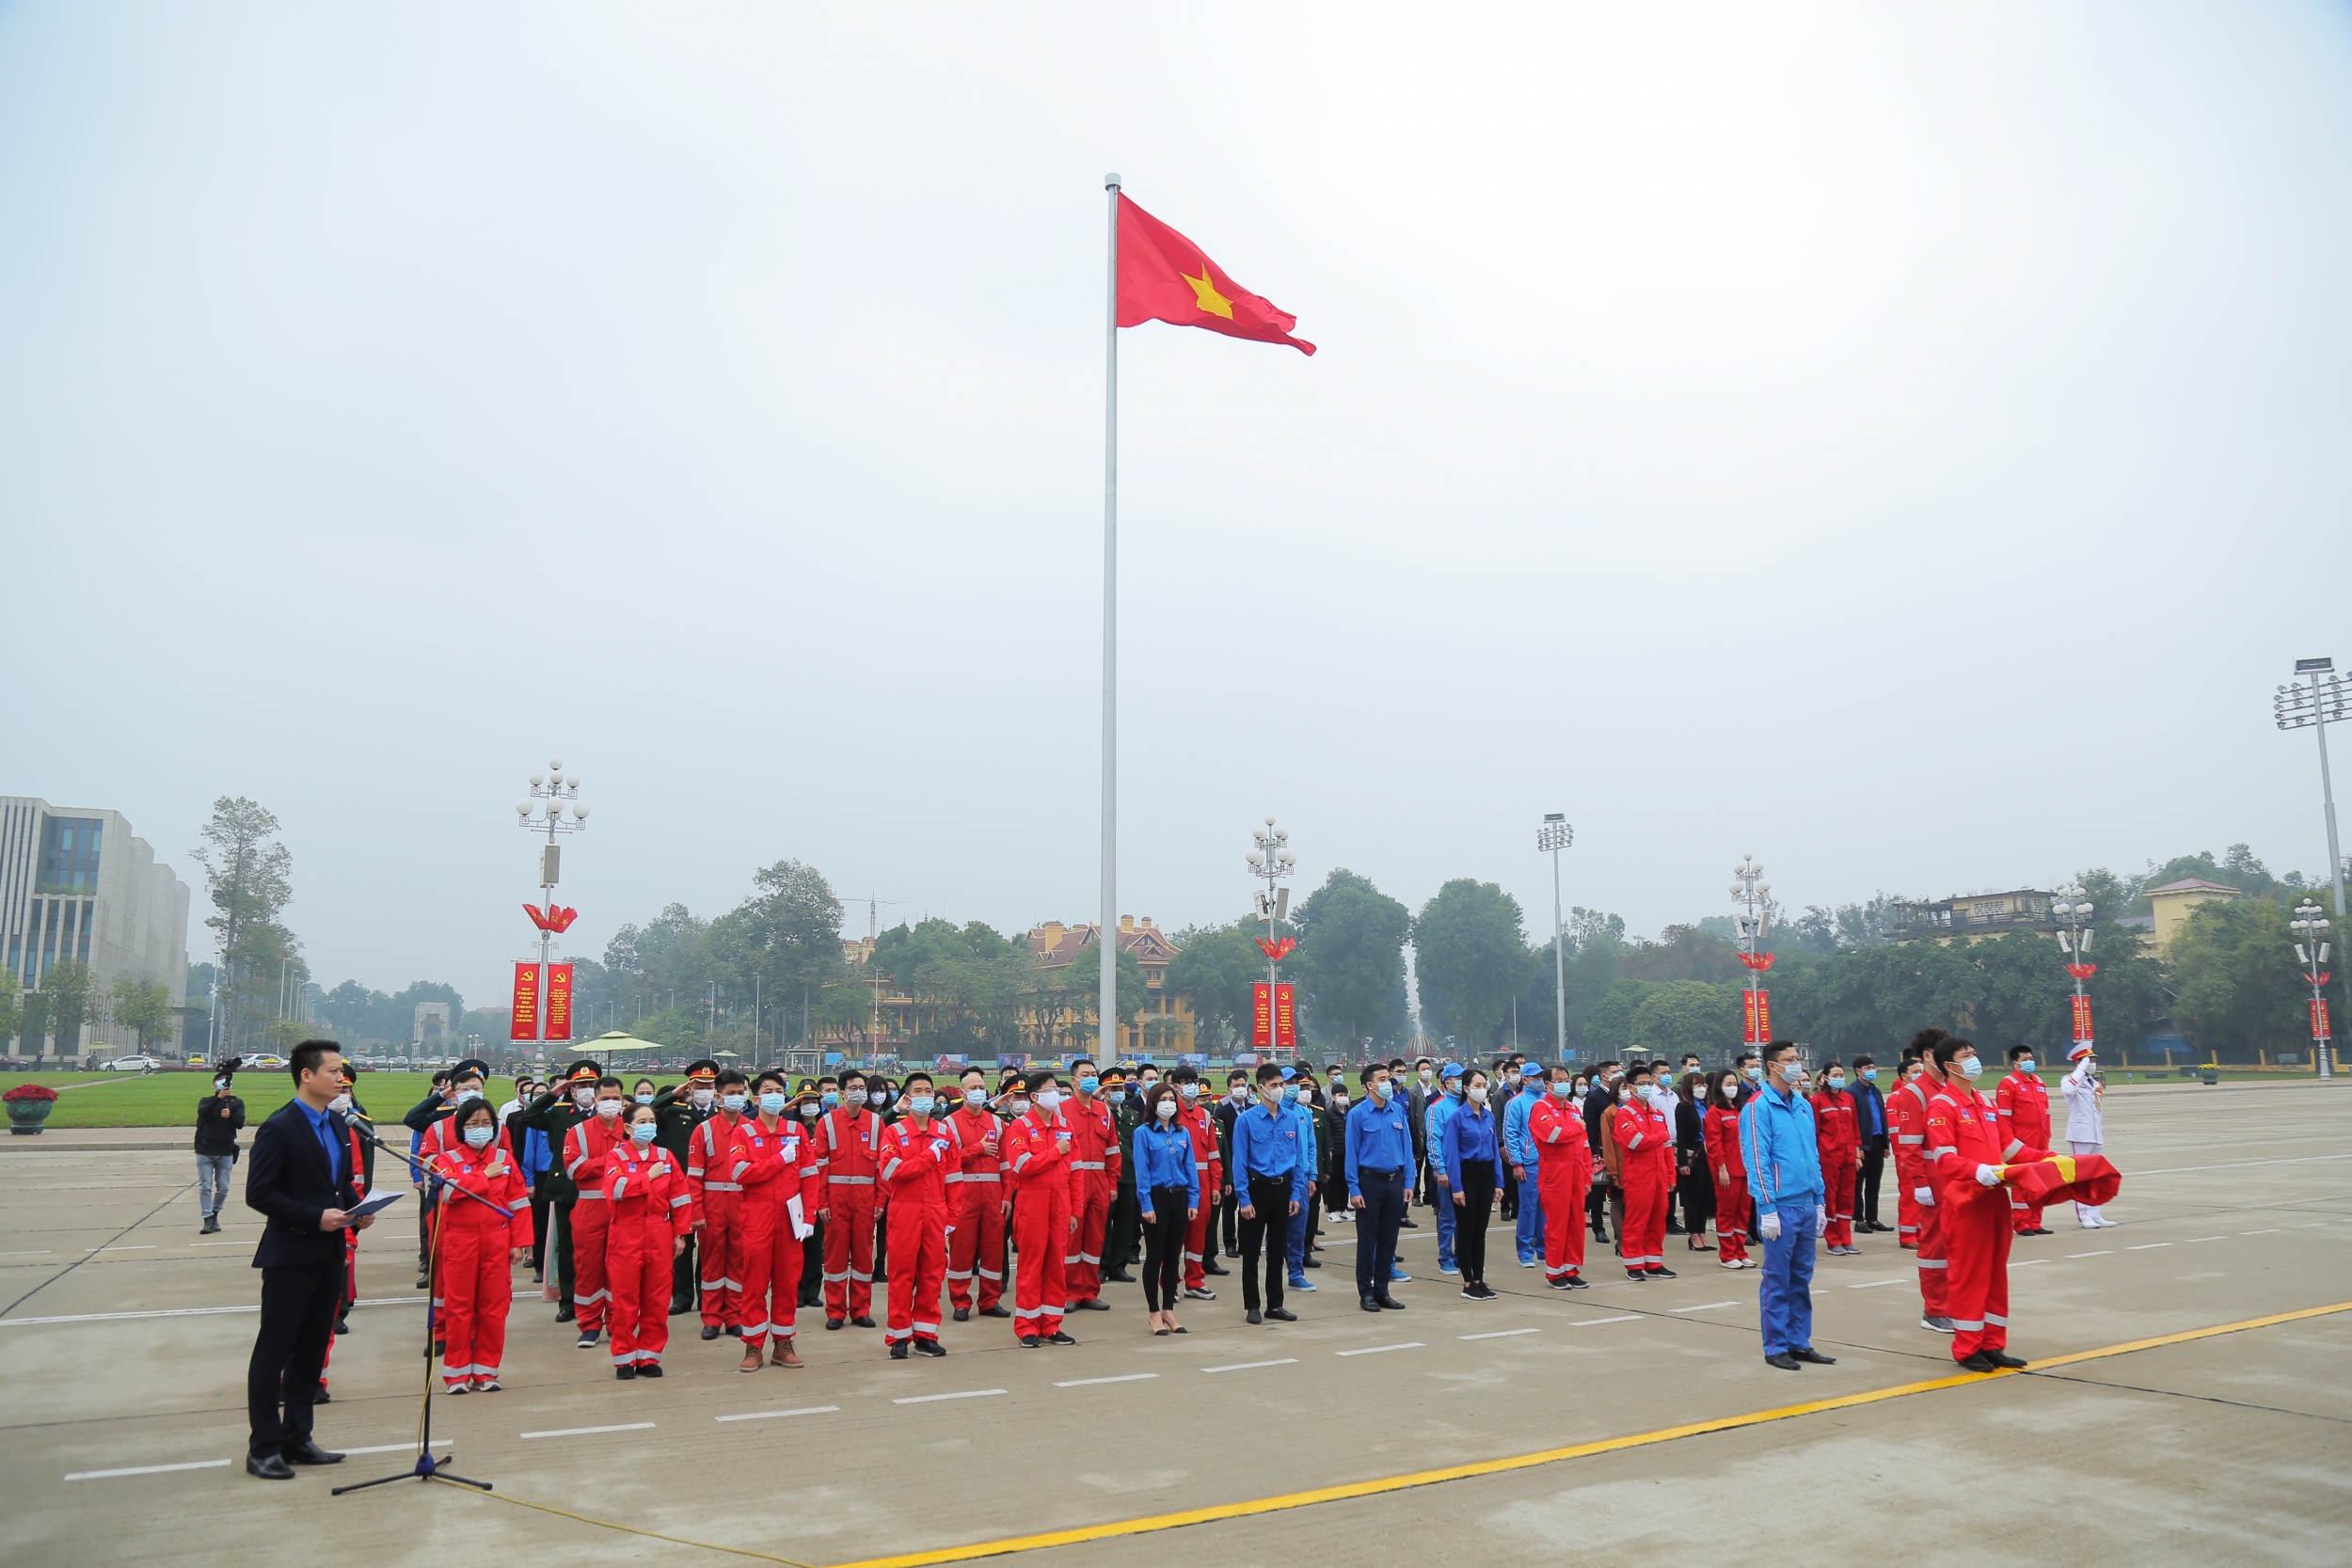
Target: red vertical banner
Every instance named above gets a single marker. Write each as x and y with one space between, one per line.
1756 1016
1285 1020
2319 1018
1262 1017
526 1005
2082 1017
559 1006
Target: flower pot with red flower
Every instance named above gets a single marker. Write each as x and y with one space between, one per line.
29 1105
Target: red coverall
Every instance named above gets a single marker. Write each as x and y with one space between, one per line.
1036 1157
646 1205
1094 1165
1564 1173
476 1274
1648 1146
351 1264
1730 1171
1209 1161
847 1138
2023 1102
719 1204
1963 1131
916 1157
1907 1112
585 1147
1836 1136
975 1235
777 1162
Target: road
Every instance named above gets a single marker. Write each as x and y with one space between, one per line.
126 1337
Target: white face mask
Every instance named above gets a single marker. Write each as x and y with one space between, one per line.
1968 1066
608 1109
340 1104
480 1136
1427 1076
1019 1108
702 1099
1164 1110
1049 1100
808 1112
584 1097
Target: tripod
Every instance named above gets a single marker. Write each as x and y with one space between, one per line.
426 1467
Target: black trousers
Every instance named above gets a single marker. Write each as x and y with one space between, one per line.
297 1321
1469 1220
1376 1224
684 1293
812 1280
1163 1248
563 1255
1866 1180
1122 1230
1510 1185
1696 1187
539 1223
1266 1227
1229 1212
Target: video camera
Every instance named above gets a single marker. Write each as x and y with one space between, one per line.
227 1071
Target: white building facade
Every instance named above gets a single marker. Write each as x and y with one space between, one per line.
75 882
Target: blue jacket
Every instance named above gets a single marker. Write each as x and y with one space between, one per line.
1517 1148
536 1155
1869 1108
1266 1144
1469 1136
1164 1159
1379 1137
1782 1150
1307 1149
1441 1111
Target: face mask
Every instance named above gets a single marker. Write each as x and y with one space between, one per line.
1968 1066
645 1097
1869 1075
1290 1094
1241 1094
608 1109
469 1091
1338 1103
702 1099
642 1131
480 1136
832 1099
1049 1100
1151 1084
1453 1091
2025 1063
1562 1091
976 1097
1019 1108
1088 1085
584 1098
1380 1090
1190 1091
921 1104
220 1082
340 1104
1755 1072
808 1112
1837 1083
733 1103
1427 1076
1164 1110
772 1103
878 1097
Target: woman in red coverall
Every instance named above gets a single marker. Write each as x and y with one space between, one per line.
774 1157
1730 1171
1837 1134
649 1211
479 1247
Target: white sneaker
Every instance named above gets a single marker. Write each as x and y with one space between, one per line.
2105 1223
1733 1263
2090 1224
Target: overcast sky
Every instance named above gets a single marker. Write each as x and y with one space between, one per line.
1905 443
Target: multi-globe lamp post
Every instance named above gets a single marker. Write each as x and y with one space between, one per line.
1274 1024
2311 925
1553 836
543 991
1751 894
2073 911
2327 700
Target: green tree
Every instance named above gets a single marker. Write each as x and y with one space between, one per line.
1079 984
1351 960
69 998
1687 1015
1471 953
2237 988
250 880
142 1006
1213 972
1684 953
12 1007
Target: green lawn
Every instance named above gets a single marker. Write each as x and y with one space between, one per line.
169 1098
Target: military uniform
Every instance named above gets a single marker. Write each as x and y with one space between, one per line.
556 1116
1125 1230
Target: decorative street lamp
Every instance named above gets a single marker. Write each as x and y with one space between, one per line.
543 991
1275 1024
2072 909
2327 698
1753 894
1552 837
2310 951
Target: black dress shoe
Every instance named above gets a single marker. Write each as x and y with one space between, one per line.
1210 1265
1094 1304
308 1453
268 1467
1254 1316
897 1349
1786 1362
1814 1356
649 1369
735 1331
1120 1276
322 1396
2001 1358
1410 1223
1313 1262
1281 1314
625 1374
995 1312
1368 1303
862 1323
1059 1338
964 1314
930 1347
564 1315
1979 1363
1389 1304
342 1326
710 1331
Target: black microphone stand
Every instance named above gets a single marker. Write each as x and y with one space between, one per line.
426 1467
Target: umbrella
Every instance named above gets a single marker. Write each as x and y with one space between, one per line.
619 1041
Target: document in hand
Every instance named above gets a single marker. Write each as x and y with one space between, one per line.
376 1204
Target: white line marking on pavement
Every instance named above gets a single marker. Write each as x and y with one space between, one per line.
2306 1226
146 1246
1374 1350
37 1252
2102 1253
115 1317
1873 1284
779 1415
149 1469
2272 1231
2030 1263
409 1446
1253 1365
588 1431
1589 1323
2194 1240
2145 1245
2234 1165
1090 1382
1711 1306
929 1398
1498 1333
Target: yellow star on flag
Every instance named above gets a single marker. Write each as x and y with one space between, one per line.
1210 301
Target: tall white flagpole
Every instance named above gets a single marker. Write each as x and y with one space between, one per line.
1107 1039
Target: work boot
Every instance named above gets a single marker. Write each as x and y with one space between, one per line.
752 1359
784 1355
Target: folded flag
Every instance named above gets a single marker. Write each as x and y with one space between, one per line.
1164 276
2064 1178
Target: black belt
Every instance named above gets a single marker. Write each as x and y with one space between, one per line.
1367 1170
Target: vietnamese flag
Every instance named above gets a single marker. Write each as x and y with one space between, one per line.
2091 1179
1164 276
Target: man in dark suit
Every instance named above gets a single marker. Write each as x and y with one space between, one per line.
299 1180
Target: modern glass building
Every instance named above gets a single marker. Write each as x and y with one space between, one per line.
76 883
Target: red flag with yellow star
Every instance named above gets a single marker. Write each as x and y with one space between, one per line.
1164 276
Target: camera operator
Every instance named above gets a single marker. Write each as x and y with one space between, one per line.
219 1117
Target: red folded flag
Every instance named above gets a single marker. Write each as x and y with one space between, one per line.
1163 276
2065 1178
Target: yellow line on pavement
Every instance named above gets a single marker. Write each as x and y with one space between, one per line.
1548 1456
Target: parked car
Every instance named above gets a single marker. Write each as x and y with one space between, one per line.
132 1064
264 1060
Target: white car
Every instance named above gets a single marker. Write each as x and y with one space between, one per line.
134 1064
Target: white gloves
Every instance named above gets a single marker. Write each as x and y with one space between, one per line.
1820 1218
1988 1176
1924 1197
802 1229
1770 1226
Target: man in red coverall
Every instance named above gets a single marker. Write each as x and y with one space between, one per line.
719 1206
1208 1161
1963 1159
1647 1143
778 1165
847 1138
585 1147
1037 1158
2023 1103
1839 1140
976 1203
918 1153
1094 1165
1564 1172
1907 1112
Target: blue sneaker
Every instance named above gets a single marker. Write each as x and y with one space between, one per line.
1300 1283
1448 1268
1527 1261
1396 1273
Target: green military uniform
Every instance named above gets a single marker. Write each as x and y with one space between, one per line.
1125 1229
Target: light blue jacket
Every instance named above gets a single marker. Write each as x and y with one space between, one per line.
1517 1148
1440 1111
1782 1150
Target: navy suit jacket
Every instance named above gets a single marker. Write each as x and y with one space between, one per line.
288 1182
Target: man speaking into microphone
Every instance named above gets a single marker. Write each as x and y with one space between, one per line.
301 1181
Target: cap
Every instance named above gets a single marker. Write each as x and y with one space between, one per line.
2082 1049
471 1064
584 1068
1532 1070
1452 1069
702 1068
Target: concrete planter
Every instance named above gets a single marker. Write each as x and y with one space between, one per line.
26 1117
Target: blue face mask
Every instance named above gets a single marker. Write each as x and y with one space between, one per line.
1562 1091
642 1131
833 1098
1869 1075
2025 1063
1968 1066
734 1102
1290 1094
1380 1090
1756 1074
920 1105
645 1097
1088 1085
773 1103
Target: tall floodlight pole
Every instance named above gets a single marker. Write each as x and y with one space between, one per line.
2310 951
1753 894
1106 1004
1270 861
2327 697
1552 837
2074 910
553 797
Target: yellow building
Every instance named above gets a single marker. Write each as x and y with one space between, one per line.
1165 1026
2173 901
